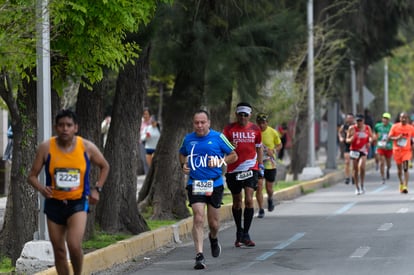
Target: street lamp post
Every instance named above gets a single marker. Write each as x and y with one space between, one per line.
39 249
386 85
311 90
43 93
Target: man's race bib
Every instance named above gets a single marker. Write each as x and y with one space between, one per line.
382 143
67 178
203 187
244 175
402 142
354 154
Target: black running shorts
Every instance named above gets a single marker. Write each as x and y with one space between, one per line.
59 211
216 199
235 184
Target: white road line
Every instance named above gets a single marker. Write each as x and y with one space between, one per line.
360 252
385 227
345 208
379 189
402 210
279 247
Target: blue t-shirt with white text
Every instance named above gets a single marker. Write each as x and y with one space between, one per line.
199 150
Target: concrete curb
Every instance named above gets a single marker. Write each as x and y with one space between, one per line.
128 249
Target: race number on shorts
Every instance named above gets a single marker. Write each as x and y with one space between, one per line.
382 143
244 175
354 154
203 187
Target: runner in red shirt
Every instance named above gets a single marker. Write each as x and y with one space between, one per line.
359 136
243 174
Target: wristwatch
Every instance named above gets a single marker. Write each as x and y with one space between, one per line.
99 189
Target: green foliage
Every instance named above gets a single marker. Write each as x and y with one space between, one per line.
86 36
236 42
286 91
373 28
401 76
90 35
6 266
154 224
102 239
17 37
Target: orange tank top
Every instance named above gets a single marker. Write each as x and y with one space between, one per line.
67 172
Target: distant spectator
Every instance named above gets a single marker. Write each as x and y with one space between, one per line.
370 122
145 121
8 153
150 136
282 130
105 128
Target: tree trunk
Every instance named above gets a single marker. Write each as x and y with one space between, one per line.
90 109
300 146
118 210
220 114
21 215
164 187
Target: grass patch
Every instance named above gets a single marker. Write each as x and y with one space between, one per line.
279 186
308 191
6 266
101 240
154 224
326 185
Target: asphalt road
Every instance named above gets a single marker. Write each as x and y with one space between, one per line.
330 231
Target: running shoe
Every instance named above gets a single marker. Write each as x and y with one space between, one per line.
261 213
352 180
247 241
215 247
347 181
362 190
401 188
404 190
357 192
383 181
270 205
388 173
200 262
238 241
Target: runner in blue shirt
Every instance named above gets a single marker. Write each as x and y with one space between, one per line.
202 155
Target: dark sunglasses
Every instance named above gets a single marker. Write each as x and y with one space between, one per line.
243 114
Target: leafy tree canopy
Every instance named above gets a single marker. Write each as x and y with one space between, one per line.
237 41
86 36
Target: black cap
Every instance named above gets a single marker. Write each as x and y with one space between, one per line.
359 117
